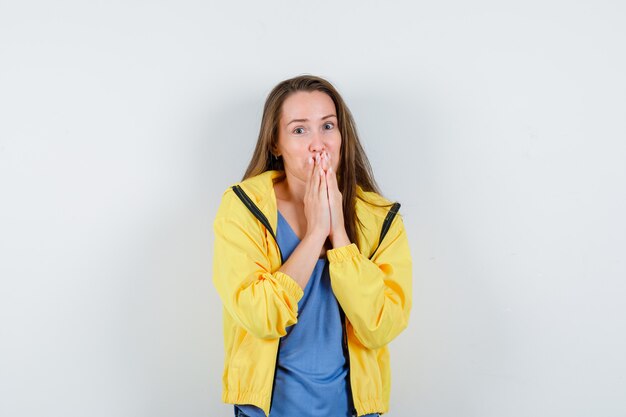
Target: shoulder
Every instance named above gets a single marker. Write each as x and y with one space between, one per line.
373 212
257 188
370 203
381 232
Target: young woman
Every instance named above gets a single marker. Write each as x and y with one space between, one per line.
312 265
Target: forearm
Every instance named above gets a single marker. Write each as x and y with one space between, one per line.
302 260
376 302
374 294
339 238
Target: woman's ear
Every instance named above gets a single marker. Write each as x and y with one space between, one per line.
272 148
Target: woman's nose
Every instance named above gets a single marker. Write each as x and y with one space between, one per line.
317 143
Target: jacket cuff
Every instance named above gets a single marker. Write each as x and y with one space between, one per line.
289 284
343 253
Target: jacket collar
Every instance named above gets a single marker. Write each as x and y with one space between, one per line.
260 189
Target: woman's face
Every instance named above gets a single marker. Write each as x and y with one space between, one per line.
308 126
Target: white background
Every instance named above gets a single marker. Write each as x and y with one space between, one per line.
499 126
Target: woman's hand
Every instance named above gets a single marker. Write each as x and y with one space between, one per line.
316 208
338 236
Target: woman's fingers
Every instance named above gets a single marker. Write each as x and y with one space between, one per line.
330 173
326 162
316 207
334 196
321 183
311 165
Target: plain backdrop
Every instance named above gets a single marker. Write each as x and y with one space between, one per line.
499 126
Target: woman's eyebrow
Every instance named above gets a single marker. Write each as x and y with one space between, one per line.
306 120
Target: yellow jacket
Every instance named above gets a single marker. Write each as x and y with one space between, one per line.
260 302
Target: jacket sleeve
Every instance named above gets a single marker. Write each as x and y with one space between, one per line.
375 294
265 303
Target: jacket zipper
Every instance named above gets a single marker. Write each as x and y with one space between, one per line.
257 213
386 225
261 217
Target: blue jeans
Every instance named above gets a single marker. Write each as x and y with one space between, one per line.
239 413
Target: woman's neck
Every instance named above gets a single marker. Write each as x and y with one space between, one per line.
291 189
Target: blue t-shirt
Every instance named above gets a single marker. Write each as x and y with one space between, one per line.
311 377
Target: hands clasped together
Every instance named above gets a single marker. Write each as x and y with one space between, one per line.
323 204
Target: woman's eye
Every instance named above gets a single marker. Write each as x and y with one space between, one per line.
328 126
298 130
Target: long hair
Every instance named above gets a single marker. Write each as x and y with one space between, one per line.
354 167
